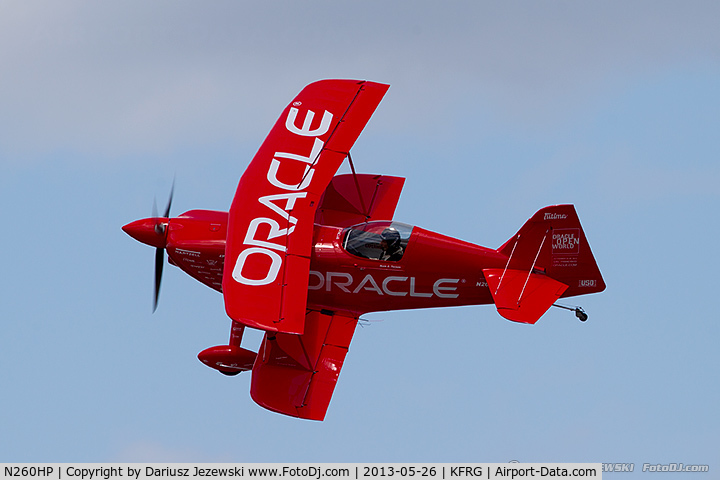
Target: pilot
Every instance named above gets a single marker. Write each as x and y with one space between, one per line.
392 251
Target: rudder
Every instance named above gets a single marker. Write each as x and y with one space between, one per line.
550 248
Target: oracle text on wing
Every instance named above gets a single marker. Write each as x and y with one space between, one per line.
280 205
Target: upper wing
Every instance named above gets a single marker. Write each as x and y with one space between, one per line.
270 224
296 374
352 199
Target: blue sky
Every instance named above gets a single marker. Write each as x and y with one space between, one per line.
495 110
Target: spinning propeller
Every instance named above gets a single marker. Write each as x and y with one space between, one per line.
161 229
154 231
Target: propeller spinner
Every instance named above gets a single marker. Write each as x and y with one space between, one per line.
153 231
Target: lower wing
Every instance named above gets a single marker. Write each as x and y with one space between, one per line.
296 374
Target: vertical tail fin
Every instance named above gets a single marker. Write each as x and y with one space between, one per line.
547 258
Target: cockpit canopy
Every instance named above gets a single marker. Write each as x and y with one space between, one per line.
380 240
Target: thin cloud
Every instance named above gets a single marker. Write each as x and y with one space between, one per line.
109 79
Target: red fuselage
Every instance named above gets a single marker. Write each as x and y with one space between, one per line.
434 271
309 251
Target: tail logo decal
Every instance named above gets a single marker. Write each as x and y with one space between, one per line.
566 241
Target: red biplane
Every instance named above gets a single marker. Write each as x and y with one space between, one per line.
303 253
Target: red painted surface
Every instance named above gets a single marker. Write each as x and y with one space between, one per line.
270 224
326 251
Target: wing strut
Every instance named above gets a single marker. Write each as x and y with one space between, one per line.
342 118
357 185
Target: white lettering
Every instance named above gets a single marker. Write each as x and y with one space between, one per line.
437 288
275 232
271 274
373 285
413 293
289 204
387 290
306 131
301 185
314 153
320 280
343 286
565 241
442 288
264 246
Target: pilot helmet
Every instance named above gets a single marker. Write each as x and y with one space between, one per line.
391 236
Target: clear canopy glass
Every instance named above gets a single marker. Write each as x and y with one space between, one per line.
379 240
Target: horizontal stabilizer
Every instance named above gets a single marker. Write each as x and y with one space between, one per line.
296 374
553 241
521 296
